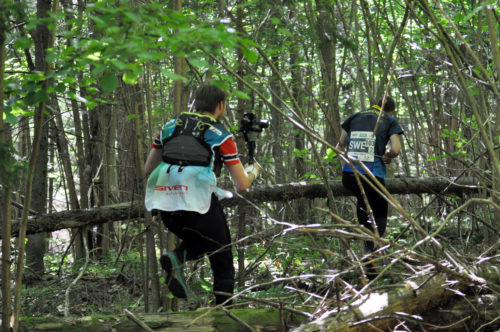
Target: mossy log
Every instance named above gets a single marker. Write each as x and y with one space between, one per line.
193 321
281 192
467 313
377 311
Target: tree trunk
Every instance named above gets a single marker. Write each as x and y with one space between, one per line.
240 110
43 8
496 129
35 248
5 194
326 27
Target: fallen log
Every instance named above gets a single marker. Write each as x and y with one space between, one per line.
281 192
193 321
467 313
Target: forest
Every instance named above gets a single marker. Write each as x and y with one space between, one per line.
86 86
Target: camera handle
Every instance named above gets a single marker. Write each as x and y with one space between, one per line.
251 150
250 146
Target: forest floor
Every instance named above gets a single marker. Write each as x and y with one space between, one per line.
93 294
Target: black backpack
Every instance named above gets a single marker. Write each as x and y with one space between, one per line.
187 147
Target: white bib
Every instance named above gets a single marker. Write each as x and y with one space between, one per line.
180 188
362 146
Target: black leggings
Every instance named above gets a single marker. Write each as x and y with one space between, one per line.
378 204
203 234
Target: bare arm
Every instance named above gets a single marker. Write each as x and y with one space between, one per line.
395 148
342 140
395 145
154 159
240 177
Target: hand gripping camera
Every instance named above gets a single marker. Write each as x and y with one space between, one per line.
251 129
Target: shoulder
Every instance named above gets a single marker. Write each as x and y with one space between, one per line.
350 118
394 126
392 120
170 124
168 129
218 130
216 134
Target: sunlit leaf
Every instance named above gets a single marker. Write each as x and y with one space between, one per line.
241 94
129 78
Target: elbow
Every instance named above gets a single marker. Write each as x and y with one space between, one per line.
394 153
243 186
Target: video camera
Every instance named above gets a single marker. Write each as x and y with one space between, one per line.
251 128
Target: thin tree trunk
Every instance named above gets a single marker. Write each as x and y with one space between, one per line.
240 109
326 28
43 7
150 236
5 196
493 28
83 173
62 147
35 248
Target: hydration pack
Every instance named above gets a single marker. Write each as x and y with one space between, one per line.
186 145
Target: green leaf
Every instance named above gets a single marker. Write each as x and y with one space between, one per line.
119 64
130 116
31 98
109 82
10 118
198 62
249 54
18 111
23 43
241 95
60 88
173 76
129 78
330 155
42 95
96 56
437 157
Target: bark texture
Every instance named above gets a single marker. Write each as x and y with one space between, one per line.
281 192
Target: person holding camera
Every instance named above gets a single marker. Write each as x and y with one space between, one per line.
182 167
366 135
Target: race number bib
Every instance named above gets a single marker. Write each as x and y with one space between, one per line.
362 146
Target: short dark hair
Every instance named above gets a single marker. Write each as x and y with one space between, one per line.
389 105
207 97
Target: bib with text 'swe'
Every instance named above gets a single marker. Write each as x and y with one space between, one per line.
362 146
180 188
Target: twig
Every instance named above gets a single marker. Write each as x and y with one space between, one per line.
239 321
270 303
486 324
136 320
406 317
